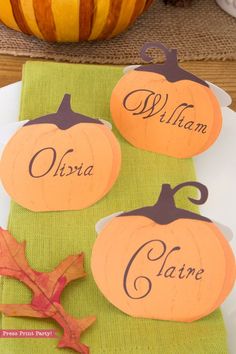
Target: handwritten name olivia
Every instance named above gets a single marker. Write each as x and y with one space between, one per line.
164 268
148 104
57 166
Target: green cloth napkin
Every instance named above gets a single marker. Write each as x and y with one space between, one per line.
51 237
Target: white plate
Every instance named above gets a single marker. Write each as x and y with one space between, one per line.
216 168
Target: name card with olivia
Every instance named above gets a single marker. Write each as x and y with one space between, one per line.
57 166
165 109
61 161
163 262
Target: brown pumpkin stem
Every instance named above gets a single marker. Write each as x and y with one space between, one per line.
203 190
170 54
166 203
170 68
166 197
64 118
65 106
165 210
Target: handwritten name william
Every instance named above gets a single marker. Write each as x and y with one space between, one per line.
148 104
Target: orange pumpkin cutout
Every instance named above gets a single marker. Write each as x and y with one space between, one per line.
162 262
62 161
165 109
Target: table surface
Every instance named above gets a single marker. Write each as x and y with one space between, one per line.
221 73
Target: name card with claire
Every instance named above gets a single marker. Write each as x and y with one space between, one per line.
165 109
61 161
163 262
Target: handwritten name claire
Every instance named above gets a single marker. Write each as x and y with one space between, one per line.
158 252
149 104
57 166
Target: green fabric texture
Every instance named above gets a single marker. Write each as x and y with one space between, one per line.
51 237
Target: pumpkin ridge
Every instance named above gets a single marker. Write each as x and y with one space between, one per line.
164 211
7 16
19 16
148 3
115 161
138 9
126 11
86 19
228 283
112 19
215 130
99 18
64 118
45 19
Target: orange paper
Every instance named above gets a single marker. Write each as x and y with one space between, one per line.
63 161
165 109
162 262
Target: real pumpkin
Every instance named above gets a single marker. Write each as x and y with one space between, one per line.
71 20
165 109
62 161
163 262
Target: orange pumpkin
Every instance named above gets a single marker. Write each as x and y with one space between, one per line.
163 262
62 161
165 109
71 20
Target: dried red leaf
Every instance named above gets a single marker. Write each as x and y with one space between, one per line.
47 289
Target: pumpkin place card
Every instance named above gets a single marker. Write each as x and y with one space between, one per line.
71 20
62 161
165 109
163 262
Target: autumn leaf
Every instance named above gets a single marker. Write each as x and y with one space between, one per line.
47 289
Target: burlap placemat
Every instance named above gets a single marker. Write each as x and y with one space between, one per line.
202 31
